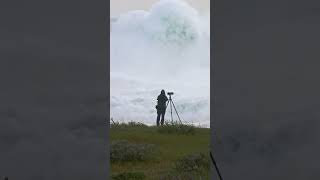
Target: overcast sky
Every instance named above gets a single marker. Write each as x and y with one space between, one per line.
120 6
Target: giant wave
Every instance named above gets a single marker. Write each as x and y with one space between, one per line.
167 47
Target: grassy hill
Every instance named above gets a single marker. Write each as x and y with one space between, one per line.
169 152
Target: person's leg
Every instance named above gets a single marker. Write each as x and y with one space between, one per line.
158 118
162 118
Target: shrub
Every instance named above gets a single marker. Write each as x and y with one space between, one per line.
127 125
196 162
175 128
136 124
178 176
129 176
123 151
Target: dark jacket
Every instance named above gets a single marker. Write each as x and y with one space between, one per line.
162 99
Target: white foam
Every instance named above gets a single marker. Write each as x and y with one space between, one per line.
167 48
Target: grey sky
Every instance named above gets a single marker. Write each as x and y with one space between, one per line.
120 6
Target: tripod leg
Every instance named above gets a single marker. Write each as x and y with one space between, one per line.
215 165
176 111
167 104
165 109
171 111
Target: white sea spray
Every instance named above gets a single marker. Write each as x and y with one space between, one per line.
167 47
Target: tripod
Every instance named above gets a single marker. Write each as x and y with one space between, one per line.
215 165
172 105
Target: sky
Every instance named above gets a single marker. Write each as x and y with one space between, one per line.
121 6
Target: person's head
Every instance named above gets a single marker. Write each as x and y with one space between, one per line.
162 92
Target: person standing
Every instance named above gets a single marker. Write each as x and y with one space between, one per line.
161 106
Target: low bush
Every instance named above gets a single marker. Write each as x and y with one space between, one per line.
129 176
127 125
123 151
196 162
179 176
176 128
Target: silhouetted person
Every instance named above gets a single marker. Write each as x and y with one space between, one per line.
161 107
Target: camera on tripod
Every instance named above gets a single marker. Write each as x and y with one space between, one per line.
170 93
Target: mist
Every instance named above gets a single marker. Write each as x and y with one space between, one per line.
166 47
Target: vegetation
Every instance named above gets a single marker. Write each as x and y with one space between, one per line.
122 151
170 152
194 163
129 176
127 125
175 128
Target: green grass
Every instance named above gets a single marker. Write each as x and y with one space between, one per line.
169 148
